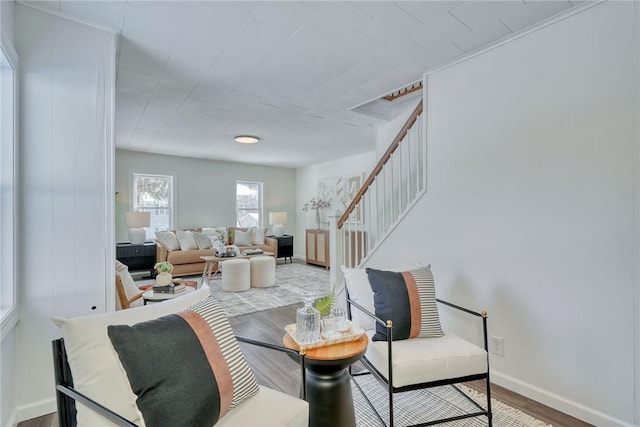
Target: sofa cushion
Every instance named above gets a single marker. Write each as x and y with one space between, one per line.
216 368
168 239
202 240
220 232
95 367
257 235
215 242
188 257
242 238
407 298
186 240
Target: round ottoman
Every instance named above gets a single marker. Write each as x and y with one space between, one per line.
236 274
263 271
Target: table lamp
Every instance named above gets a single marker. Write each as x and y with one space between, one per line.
136 221
277 220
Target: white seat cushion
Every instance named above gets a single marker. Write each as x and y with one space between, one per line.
268 408
420 360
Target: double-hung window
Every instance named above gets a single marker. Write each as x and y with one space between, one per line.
154 193
249 204
8 185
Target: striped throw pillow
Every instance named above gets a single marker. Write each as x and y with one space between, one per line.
185 368
408 299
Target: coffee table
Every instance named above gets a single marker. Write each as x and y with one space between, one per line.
328 382
157 296
212 263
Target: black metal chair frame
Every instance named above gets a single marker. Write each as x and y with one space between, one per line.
67 396
388 383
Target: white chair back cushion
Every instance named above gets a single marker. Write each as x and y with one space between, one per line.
128 284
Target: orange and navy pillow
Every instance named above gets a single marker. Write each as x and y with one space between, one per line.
185 368
408 299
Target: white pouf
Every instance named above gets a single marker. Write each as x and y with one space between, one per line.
236 275
263 271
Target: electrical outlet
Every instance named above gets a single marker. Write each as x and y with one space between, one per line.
497 346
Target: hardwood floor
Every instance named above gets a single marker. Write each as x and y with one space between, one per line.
279 371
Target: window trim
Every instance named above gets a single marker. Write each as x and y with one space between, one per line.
174 198
261 202
9 317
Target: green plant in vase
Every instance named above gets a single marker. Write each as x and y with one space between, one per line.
164 270
324 304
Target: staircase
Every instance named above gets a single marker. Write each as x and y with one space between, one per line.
396 183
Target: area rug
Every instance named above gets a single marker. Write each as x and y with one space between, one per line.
426 405
291 279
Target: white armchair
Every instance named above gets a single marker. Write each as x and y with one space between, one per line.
413 362
90 366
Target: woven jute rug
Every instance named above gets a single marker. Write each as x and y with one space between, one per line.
291 279
430 404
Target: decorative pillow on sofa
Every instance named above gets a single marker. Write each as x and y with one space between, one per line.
95 367
168 240
202 240
256 235
219 232
186 368
215 243
241 238
186 240
407 298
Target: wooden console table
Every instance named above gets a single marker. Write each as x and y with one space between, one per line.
317 242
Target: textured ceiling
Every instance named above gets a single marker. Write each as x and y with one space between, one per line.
192 75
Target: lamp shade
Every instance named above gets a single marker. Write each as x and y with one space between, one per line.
276 218
137 219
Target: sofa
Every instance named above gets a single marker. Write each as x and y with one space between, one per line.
183 248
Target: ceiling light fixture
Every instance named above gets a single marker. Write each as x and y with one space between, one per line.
246 139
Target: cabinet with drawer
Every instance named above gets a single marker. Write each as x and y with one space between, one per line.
137 257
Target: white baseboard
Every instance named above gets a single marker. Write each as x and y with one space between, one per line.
36 409
556 401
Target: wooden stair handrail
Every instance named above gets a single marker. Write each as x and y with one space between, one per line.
383 160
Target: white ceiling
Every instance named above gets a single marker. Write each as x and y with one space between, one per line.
193 74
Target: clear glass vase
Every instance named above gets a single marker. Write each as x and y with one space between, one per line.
307 320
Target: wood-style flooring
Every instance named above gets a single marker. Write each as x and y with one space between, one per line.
280 372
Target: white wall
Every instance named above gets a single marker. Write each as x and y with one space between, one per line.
529 214
386 132
67 85
206 189
8 338
307 187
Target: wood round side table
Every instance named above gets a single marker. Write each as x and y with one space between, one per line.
328 382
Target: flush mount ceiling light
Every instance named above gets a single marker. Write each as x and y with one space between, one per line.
246 139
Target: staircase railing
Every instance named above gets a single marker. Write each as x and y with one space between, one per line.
394 185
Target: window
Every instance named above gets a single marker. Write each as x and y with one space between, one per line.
248 204
8 181
154 194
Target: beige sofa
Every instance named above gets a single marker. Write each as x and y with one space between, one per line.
188 262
